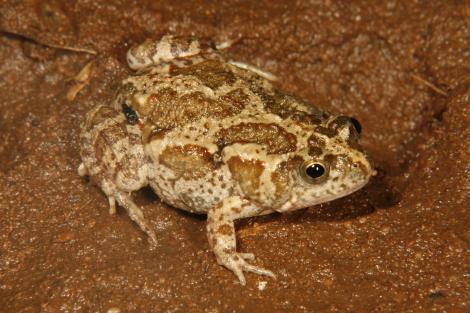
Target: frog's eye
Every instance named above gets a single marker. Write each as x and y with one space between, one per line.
357 126
130 114
314 171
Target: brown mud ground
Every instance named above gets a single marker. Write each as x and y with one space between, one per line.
399 245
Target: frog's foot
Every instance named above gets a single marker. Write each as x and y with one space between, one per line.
124 199
83 171
236 262
221 235
168 48
135 213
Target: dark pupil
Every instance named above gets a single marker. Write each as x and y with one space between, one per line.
130 114
356 125
315 170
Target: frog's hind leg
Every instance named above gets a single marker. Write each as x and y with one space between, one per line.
168 48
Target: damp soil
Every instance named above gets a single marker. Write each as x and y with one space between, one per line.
401 244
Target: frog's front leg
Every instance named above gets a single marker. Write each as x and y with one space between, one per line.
221 235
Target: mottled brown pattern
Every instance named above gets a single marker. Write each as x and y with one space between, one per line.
329 132
103 136
339 122
225 230
315 146
345 122
155 134
275 138
286 106
99 148
236 210
211 73
101 115
353 140
280 178
166 109
336 161
334 126
124 91
247 174
236 98
180 44
189 161
191 202
361 166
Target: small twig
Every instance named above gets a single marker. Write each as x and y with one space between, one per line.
81 80
84 74
52 45
429 84
67 48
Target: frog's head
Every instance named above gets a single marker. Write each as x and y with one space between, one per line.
282 171
332 166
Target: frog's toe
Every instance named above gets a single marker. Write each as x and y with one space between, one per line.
112 205
247 256
82 170
136 214
258 270
239 273
237 264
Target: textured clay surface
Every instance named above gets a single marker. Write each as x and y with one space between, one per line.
401 244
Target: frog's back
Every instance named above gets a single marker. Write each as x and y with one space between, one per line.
197 115
182 93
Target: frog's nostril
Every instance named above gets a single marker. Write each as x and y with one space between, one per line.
361 169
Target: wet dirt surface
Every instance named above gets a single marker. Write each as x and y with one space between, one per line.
399 245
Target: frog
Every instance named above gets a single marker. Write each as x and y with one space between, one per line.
215 136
